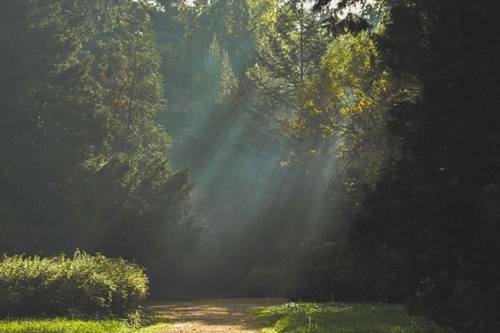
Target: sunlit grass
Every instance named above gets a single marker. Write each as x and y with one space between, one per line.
64 326
342 318
74 326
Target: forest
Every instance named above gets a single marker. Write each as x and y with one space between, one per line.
306 165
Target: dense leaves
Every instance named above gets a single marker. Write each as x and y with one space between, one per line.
81 286
83 160
442 191
429 218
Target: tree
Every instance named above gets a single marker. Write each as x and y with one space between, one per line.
440 193
84 162
344 119
289 49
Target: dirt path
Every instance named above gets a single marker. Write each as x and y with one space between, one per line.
234 315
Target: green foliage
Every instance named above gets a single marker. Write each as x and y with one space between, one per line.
82 286
348 100
345 318
84 162
290 44
334 270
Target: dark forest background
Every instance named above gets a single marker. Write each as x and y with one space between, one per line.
345 150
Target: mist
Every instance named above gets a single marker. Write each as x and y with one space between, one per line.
254 204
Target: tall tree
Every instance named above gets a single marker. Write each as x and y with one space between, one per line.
83 160
441 194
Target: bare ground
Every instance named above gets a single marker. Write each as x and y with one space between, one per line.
229 315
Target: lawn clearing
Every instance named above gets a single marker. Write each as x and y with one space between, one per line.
342 318
74 326
64 326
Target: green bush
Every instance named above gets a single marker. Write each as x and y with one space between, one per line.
82 286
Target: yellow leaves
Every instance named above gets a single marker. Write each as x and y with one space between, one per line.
313 152
347 98
95 163
263 13
362 105
344 111
312 107
365 104
310 104
296 125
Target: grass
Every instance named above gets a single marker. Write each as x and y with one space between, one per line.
150 323
64 326
74 326
285 318
342 318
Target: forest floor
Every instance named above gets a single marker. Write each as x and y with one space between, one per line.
244 315
234 315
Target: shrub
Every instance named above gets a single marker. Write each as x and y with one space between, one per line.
82 286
